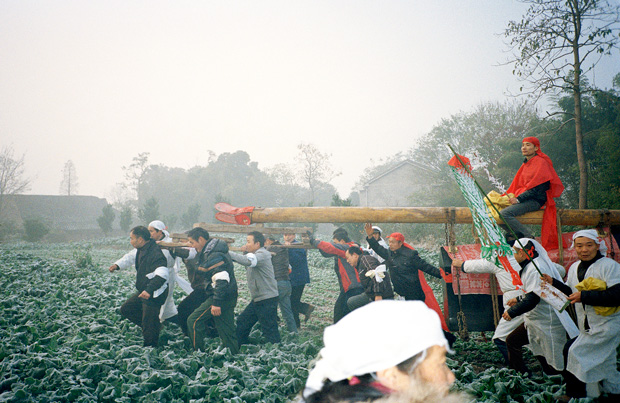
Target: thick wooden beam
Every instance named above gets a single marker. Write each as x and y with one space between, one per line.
436 215
244 229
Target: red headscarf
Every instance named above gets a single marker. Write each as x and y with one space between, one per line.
536 172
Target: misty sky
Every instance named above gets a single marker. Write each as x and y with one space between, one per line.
98 82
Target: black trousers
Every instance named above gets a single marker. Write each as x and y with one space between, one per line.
574 387
296 304
186 307
340 307
264 312
144 313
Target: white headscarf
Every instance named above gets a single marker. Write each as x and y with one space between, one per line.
593 235
377 336
543 258
160 226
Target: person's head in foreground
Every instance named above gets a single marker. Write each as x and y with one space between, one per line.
385 351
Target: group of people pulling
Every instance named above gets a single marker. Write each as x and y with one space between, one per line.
208 309
409 339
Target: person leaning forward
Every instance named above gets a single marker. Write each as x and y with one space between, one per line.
263 290
143 307
216 268
535 185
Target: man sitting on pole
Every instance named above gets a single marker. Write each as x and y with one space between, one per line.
535 185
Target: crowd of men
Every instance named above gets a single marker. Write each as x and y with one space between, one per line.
584 353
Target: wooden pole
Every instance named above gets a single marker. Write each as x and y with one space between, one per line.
424 215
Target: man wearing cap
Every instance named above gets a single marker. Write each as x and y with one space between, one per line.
535 185
404 265
594 288
376 233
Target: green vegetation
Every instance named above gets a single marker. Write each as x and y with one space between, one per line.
64 340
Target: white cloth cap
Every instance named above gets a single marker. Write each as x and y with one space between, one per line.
375 228
593 235
160 226
377 336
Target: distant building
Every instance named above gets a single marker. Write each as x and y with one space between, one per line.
398 186
63 213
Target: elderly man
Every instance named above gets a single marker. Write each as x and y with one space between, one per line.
593 285
535 185
143 307
263 290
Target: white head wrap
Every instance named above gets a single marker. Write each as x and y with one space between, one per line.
593 235
375 228
545 264
376 336
160 226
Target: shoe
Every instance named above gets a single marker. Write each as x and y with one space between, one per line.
308 313
563 398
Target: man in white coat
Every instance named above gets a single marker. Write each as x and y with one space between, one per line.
509 291
544 327
591 357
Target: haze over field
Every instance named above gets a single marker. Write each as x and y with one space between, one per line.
99 82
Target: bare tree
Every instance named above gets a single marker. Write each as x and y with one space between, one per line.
315 167
134 174
552 42
69 183
12 180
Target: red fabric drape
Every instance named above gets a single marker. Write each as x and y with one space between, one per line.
538 170
430 299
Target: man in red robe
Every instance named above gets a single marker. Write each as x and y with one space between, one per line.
535 185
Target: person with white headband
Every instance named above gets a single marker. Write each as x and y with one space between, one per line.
543 328
594 288
384 351
159 233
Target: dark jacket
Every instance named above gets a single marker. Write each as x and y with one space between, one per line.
403 265
348 277
148 258
214 259
279 259
372 287
298 259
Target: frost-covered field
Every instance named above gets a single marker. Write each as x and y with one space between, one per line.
62 339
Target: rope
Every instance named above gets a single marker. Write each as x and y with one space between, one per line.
461 319
494 295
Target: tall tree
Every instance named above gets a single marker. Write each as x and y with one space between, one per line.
556 43
12 180
315 168
126 218
69 183
150 211
135 173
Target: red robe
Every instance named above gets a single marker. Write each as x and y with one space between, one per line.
536 171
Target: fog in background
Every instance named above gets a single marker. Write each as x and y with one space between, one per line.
98 82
